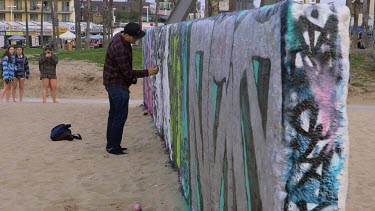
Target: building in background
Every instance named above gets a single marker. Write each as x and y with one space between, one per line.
246 4
13 19
370 5
14 10
123 11
223 6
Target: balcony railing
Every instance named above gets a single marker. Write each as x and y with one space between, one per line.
34 8
65 9
38 8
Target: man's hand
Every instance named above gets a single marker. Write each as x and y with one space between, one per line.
153 70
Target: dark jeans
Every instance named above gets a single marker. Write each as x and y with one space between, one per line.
118 113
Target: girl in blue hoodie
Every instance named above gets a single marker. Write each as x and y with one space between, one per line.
9 65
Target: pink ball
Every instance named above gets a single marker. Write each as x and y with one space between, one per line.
137 207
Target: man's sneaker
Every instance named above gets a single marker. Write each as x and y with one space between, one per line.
120 147
116 151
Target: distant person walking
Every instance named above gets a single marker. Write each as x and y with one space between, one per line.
118 76
47 67
22 71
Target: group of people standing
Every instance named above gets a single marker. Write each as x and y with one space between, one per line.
15 69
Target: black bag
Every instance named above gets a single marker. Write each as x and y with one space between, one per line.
62 132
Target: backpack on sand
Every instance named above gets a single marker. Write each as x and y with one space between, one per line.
62 132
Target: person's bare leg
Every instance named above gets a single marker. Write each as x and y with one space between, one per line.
4 90
14 88
45 82
21 83
7 95
53 85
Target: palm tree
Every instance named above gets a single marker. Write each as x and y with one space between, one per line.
55 25
105 13
232 5
88 18
41 25
215 7
365 18
77 9
111 19
373 37
58 41
140 18
208 8
349 4
157 13
27 26
356 8
211 8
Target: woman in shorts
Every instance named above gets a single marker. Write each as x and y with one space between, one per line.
9 65
47 67
22 71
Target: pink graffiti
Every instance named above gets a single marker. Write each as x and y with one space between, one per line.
323 89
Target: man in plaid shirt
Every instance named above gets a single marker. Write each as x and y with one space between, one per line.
118 76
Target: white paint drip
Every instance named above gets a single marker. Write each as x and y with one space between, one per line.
298 61
317 35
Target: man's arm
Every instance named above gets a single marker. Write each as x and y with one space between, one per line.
123 62
123 58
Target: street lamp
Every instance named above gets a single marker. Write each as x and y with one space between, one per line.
41 25
11 12
147 13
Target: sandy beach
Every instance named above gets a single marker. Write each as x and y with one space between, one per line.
361 159
38 174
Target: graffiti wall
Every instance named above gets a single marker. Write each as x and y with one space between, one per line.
251 106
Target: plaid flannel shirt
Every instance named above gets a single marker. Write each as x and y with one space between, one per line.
118 65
